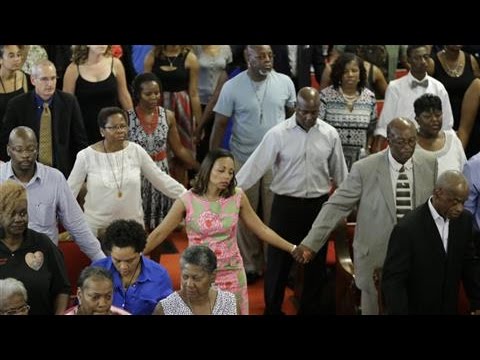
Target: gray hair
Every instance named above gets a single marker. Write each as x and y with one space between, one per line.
10 287
42 63
450 179
201 256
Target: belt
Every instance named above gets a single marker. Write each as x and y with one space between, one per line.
159 156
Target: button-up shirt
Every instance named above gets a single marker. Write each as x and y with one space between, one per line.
49 198
302 162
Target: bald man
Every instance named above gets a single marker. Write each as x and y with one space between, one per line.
430 251
371 188
49 196
304 153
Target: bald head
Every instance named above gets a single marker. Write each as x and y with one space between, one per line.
309 94
450 193
402 138
23 133
308 107
22 149
400 124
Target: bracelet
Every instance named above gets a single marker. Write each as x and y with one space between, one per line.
293 249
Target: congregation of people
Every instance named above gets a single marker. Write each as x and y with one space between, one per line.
257 153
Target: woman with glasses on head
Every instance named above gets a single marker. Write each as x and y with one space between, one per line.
112 169
13 297
29 256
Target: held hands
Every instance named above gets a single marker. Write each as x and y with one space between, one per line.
198 135
303 254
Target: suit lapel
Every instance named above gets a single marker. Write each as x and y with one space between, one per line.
419 177
385 183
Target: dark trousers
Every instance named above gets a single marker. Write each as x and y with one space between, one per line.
292 219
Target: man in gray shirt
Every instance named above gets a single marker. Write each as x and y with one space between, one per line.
257 99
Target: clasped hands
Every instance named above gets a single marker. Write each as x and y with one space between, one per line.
303 254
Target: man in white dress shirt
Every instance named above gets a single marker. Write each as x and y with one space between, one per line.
402 93
304 153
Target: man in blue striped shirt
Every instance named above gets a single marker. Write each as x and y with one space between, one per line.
49 196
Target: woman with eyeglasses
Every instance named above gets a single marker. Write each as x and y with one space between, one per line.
113 169
29 256
13 297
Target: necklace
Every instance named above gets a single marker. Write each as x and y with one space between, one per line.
148 126
457 68
118 184
261 100
349 99
127 285
14 83
171 59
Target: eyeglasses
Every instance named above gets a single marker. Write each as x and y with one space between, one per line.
25 308
115 128
402 142
20 150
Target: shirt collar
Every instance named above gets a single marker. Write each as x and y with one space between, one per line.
434 211
39 101
411 78
39 172
396 166
291 123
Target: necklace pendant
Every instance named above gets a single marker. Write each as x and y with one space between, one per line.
119 194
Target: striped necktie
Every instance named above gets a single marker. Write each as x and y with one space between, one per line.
403 194
45 155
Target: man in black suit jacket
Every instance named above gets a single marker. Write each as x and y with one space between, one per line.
306 55
68 130
430 251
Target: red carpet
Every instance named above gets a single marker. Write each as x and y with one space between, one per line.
255 291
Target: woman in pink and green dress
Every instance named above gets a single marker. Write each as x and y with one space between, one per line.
211 210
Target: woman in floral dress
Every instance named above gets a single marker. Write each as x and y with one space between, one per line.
211 210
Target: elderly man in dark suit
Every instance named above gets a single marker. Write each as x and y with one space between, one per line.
67 130
430 251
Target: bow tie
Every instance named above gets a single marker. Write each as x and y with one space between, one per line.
423 83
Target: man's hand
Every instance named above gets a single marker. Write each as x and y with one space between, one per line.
303 254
